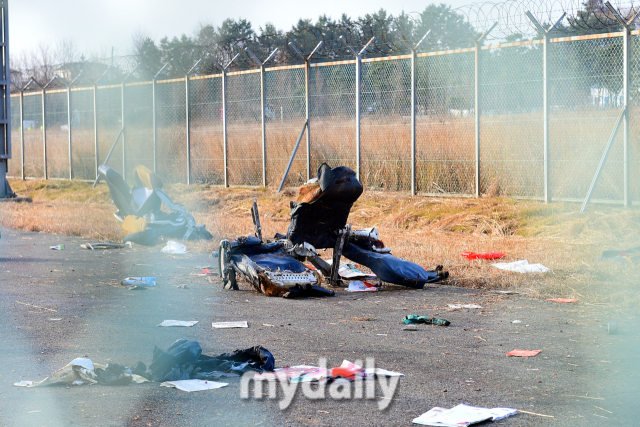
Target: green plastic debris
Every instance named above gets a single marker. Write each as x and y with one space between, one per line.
414 318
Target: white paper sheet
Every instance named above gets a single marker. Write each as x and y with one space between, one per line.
178 323
194 385
462 415
225 325
522 266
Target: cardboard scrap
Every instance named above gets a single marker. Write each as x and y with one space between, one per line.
523 353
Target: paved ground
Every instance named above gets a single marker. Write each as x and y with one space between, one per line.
583 375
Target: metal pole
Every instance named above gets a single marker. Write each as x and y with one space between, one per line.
264 134
262 105
155 124
154 84
225 146
358 56
358 164
545 112
44 135
188 123
545 97
477 114
413 122
307 69
414 58
307 98
293 156
69 126
124 150
22 131
188 119
478 92
625 97
95 125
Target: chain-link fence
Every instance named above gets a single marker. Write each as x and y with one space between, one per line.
497 142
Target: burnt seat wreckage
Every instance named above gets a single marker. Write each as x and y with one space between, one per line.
140 209
318 221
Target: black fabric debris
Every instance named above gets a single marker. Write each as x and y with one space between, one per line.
316 222
113 375
184 360
391 269
300 291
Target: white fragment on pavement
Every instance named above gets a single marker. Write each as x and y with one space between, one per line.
194 385
174 248
522 266
226 325
462 415
187 323
517 321
459 306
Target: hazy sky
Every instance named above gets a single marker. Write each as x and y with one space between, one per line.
97 25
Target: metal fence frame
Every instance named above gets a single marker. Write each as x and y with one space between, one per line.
546 41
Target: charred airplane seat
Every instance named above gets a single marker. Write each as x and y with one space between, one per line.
139 208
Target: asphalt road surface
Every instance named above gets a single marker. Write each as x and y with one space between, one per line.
59 305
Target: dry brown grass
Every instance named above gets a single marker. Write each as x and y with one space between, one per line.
428 231
511 150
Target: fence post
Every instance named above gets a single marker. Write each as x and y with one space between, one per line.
95 120
413 107
22 131
262 107
69 126
188 119
225 149
224 114
545 97
307 99
44 135
154 84
358 57
124 150
124 131
478 92
95 125
627 26
625 101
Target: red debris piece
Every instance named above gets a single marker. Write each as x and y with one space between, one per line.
563 300
487 255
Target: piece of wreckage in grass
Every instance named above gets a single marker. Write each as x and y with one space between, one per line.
140 209
318 221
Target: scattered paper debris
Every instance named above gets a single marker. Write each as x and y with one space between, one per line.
523 353
459 306
187 323
174 248
522 266
139 281
462 415
226 325
194 385
359 286
106 245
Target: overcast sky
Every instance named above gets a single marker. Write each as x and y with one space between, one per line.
97 25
